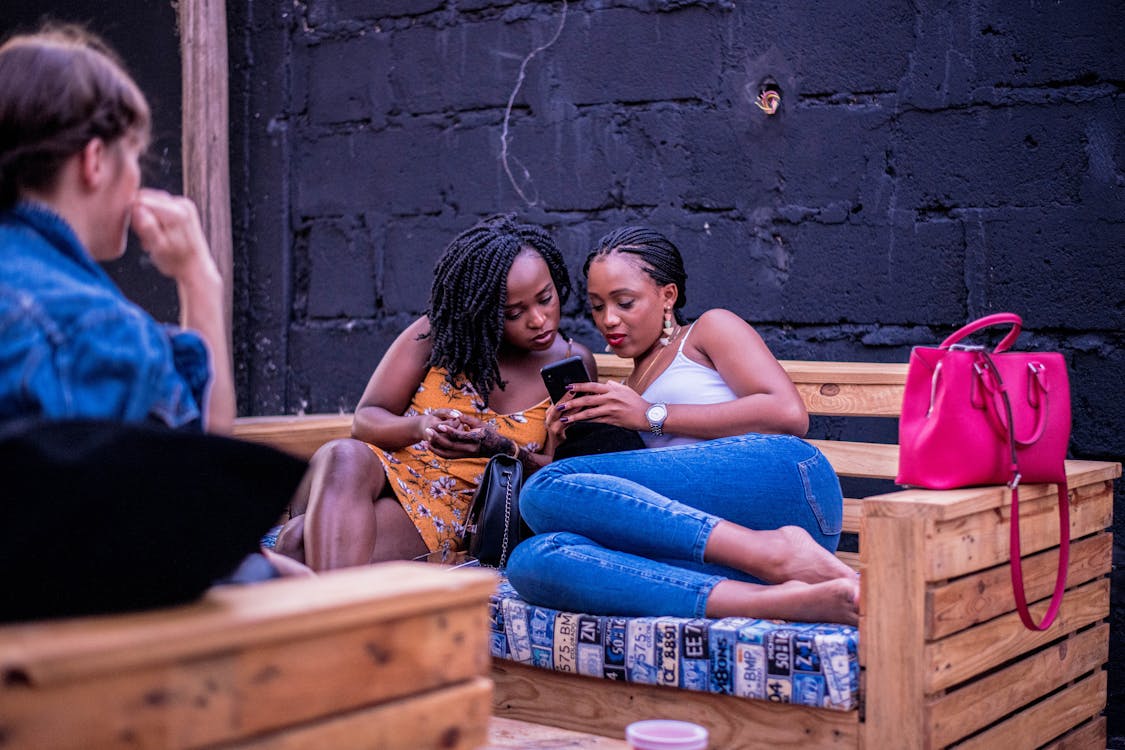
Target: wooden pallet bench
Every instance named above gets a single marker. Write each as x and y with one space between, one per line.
393 656
945 660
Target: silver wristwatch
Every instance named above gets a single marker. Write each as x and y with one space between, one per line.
656 414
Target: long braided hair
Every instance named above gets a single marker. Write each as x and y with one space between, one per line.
470 291
659 258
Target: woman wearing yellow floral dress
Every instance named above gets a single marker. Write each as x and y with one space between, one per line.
400 487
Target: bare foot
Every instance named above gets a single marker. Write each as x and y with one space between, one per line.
828 601
287 566
798 558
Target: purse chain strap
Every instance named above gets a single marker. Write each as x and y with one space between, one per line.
507 517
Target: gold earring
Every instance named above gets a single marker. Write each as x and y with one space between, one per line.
667 330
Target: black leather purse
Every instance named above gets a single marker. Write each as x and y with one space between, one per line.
495 525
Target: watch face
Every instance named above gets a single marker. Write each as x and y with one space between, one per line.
657 413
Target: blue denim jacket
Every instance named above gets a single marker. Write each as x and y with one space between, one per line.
72 346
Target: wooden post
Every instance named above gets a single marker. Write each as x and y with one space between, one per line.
892 627
206 140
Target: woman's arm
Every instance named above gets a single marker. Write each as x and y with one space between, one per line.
169 229
379 418
767 401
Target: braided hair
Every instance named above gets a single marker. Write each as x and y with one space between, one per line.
470 291
59 89
659 258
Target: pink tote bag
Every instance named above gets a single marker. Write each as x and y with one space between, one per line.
974 417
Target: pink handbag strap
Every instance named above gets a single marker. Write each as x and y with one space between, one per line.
1014 535
999 394
989 320
1017 567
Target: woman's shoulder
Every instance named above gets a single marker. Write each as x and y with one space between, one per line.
415 336
717 333
577 347
719 321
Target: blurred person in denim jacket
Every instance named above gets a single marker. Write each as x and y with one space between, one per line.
73 125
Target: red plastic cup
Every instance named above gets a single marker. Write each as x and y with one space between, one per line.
665 734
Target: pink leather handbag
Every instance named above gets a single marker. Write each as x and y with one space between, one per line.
970 417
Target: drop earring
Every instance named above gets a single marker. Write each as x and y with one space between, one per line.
667 330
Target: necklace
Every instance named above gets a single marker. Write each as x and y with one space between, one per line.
655 359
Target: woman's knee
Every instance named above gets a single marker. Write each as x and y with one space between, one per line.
535 501
342 454
347 464
531 562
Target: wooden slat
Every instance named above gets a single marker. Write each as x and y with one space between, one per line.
868 373
980 540
299 435
891 624
455 718
850 459
851 558
853 514
965 711
961 656
950 504
844 400
605 707
235 617
982 596
232 694
1090 735
510 734
612 367
1040 723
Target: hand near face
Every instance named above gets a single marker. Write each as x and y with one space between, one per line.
170 232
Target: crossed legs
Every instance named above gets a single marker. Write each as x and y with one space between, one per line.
343 516
708 529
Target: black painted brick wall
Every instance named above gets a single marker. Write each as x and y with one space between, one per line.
931 162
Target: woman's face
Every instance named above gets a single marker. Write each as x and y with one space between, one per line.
124 180
627 305
532 313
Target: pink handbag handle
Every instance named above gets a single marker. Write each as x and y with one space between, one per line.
1014 532
1000 396
989 320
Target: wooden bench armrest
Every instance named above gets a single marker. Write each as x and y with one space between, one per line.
231 617
946 505
300 435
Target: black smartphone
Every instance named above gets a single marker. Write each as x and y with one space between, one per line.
558 375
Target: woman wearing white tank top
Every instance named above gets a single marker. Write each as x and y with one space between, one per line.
728 513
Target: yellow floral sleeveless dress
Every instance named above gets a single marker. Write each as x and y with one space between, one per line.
436 491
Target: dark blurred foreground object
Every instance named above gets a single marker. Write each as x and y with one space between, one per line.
103 517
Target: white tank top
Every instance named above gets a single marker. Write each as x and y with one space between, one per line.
684 381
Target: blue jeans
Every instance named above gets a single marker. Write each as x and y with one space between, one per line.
624 533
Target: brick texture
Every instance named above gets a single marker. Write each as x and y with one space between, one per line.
931 162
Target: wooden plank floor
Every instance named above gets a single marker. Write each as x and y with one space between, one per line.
509 734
